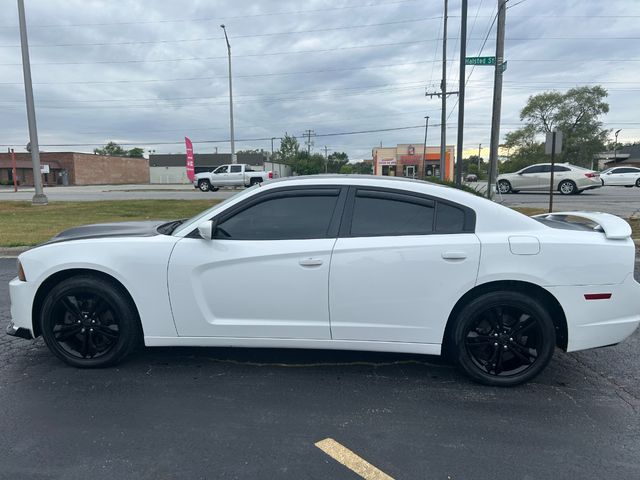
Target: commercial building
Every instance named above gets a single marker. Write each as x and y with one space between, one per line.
628 156
412 161
171 167
72 168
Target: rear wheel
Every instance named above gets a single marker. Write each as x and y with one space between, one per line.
503 338
204 185
88 322
253 181
567 187
504 186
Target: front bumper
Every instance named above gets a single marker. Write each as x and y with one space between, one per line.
18 331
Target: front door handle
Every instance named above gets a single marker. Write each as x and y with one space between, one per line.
454 255
310 262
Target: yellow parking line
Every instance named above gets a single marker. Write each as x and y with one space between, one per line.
350 460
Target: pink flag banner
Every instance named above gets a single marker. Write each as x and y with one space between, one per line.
190 163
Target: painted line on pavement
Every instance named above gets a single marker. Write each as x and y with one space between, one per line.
353 462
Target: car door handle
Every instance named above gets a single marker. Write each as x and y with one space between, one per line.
310 262
454 255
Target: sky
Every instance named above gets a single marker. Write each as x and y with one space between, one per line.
146 74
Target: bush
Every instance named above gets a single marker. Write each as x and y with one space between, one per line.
448 183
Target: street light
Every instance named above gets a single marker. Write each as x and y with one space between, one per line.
615 147
233 145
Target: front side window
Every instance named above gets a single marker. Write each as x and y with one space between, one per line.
286 216
222 169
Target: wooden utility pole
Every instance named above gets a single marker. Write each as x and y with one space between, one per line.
461 86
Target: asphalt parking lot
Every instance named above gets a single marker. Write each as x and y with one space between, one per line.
233 413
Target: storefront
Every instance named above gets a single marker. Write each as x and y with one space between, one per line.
410 161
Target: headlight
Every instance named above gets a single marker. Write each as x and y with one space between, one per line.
21 275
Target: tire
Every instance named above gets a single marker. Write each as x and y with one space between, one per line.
253 181
504 186
567 187
88 322
496 335
204 185
215 189
638 183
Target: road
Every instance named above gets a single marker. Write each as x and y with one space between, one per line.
214 413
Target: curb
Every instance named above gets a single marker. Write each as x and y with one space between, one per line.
12 251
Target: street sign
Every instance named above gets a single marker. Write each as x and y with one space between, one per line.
44 169
503 66
480 61
549 142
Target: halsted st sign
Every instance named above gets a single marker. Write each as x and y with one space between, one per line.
480 61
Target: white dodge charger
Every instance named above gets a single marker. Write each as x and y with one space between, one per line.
338 262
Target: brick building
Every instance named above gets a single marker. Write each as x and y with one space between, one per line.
409 160
71 168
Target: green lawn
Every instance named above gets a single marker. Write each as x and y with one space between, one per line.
24 224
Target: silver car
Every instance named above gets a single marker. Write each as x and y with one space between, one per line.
567 179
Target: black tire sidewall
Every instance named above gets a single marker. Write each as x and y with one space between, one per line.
638 183
127 320
489 300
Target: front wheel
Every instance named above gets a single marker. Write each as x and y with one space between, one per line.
503 338
504 186
89 323
567 187
638 183
204 185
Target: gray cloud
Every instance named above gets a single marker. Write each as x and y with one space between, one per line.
338 82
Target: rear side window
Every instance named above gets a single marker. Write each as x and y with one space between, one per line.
236 168
559 168
291 216
449 219
381 213
534 169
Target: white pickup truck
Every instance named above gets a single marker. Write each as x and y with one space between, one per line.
231 175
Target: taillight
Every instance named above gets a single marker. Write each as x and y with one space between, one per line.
590 175
270 175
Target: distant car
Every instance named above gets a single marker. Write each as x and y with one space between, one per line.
231 175
472 177
338 262
567 179
621 176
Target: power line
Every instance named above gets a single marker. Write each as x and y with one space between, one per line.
209 19
203 39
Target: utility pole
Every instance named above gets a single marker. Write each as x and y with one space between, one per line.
479 150
424 147
14 170
326 159
461 87
39 198
233 143
309 134
497 99
443 88
615 147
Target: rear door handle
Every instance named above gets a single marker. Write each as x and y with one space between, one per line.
310 262
454 255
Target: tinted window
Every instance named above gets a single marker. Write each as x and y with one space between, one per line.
449 219
286 217
222 169
378 213
559 168
626 170
236 168
534 169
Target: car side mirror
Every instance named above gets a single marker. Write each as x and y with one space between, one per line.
519 173
208 229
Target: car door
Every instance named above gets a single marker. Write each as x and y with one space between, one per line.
560 173
236 176
220 175
400 264
627 175
528 179
265 273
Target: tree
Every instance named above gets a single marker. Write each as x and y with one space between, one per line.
115 150
306 164
576 113
362 168
336 161
289 149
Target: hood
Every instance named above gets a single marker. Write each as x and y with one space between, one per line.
102 230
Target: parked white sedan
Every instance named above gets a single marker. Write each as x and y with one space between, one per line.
621 176
338 262
567 179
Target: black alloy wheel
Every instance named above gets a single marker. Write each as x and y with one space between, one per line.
88 322
503 339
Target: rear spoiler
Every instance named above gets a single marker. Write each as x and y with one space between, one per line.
612 226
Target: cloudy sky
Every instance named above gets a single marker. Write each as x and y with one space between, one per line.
148 73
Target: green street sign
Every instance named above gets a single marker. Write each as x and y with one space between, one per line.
480 61
503 67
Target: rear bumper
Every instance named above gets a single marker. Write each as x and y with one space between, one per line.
598 323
